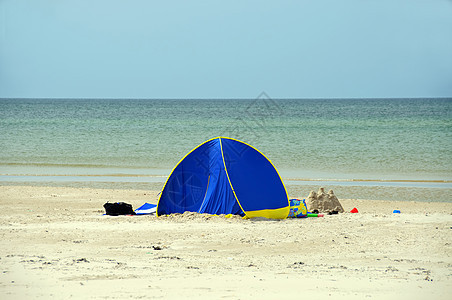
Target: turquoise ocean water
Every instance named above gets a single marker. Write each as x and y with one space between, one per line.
351 145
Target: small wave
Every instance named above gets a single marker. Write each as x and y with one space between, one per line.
53 165
85 175
371 180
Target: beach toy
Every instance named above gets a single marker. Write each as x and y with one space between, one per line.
315 215
354 210
297 208
396 211
146 209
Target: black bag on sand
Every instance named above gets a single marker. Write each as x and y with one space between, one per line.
118 208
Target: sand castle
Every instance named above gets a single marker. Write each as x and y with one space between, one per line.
323 202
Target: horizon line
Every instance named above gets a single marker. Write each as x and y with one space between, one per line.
216 98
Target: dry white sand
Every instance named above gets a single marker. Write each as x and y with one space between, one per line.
55 243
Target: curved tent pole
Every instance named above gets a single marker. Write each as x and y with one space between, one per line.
227 175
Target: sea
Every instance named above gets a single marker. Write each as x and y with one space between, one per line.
378 149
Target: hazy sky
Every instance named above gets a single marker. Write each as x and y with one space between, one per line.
225 49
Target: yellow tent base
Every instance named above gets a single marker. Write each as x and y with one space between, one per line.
280 213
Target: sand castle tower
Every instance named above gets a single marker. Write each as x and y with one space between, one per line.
323 202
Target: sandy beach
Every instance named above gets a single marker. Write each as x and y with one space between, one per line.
57 244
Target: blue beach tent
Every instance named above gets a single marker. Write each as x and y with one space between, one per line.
225 176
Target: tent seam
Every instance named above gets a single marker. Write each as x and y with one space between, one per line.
229 179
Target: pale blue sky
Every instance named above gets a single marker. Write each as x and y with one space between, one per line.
225 49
